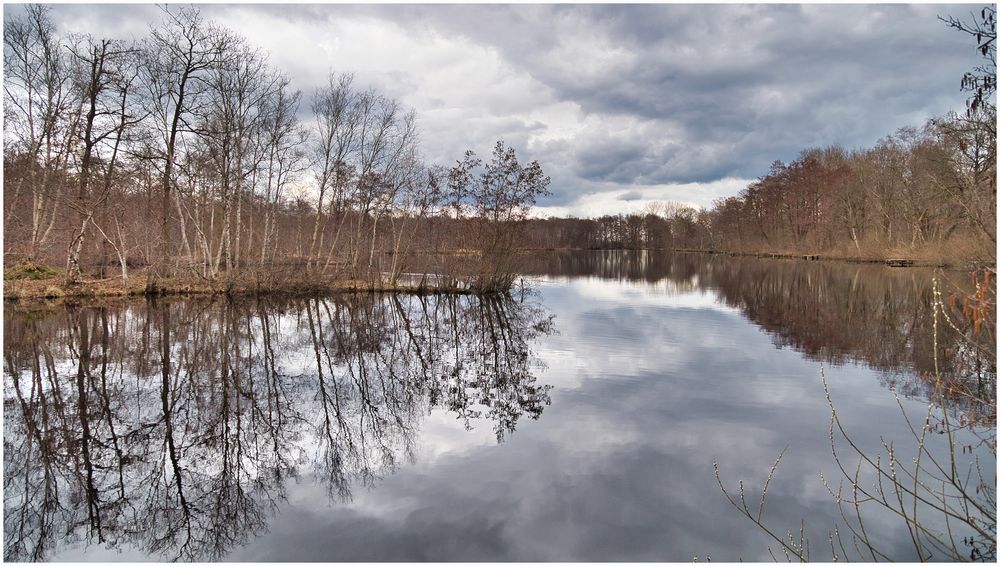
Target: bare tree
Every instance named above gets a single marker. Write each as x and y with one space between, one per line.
40 109
497 196
104 82
982 80
180 53
286 157
235 130
337 120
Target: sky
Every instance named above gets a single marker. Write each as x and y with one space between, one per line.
622 105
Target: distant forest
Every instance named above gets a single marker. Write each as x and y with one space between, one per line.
186 154
928 192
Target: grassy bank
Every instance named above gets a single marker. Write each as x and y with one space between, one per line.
898 257
31 281
900 260
26 284
956 253
887 257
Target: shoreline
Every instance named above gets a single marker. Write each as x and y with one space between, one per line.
892 261
143 285
54 289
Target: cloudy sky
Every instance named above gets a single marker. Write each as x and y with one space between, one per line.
622 105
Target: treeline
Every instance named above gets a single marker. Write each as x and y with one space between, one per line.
932 189
927 193
662 225
188 153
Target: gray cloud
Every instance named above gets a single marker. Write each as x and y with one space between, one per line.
613 97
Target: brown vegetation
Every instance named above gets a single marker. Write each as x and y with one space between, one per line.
181 160
927 195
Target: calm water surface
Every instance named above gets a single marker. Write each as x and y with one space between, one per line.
578 420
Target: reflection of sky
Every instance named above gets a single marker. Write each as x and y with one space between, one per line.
651 386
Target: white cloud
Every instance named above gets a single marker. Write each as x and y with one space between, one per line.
608 198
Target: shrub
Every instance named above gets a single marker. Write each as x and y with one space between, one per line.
54 292
30 270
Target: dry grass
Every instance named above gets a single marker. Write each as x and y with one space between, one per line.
248 284
954 253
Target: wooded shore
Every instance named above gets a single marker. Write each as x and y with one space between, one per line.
148 285
890 260
41 282
114 163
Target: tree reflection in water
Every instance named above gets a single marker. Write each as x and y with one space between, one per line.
834 312
173 426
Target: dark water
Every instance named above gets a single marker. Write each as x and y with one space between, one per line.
578 420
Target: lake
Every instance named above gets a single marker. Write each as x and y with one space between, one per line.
579 419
